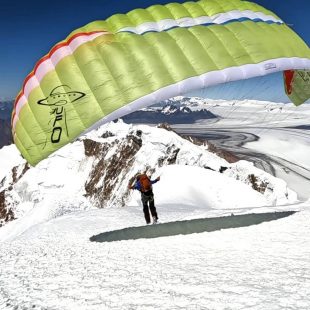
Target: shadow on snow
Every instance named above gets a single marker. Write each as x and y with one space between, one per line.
189 226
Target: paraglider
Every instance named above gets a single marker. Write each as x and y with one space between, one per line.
144 185
110 68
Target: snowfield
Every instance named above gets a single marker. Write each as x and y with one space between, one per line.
48 262
54 266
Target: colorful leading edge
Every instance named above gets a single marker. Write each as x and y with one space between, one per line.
110 68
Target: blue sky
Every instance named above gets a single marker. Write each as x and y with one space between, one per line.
29 29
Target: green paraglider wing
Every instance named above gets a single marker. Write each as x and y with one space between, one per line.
110 68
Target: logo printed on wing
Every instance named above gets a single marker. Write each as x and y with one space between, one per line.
56 100
59 98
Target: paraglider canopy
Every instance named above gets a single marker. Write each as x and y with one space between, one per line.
297 85
110 68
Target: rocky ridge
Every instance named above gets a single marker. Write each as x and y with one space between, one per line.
95 170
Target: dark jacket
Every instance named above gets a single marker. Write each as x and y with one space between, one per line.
137 185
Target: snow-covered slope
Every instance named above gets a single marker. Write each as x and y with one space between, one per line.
10 157
95 171
53 265
48 262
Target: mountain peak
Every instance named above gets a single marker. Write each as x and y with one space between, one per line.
95 171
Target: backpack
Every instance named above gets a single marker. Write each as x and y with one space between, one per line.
145 182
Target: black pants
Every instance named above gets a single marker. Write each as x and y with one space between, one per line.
148 202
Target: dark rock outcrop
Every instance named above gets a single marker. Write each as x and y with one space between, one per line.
228 156
257 184
6 214
6 185
108 173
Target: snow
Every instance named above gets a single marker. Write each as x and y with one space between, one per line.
293 146
48 262
56 186
277 143
283 131
277 191
53 183
54 266
10 157
199 191
192 186
261 114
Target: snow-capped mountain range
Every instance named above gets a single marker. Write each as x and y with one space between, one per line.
95 171
171 112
